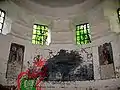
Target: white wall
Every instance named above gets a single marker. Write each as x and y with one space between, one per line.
4 52
62 37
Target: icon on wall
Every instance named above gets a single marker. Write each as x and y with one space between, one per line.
15 61
105 54
106 61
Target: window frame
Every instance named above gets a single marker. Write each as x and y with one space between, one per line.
39 36
1 29
118 13
84 35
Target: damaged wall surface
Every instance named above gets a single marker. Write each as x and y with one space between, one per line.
86 67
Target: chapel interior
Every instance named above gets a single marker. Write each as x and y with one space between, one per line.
59 44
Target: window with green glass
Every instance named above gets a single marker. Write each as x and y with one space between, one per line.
83 34
118 12
2 19
40 34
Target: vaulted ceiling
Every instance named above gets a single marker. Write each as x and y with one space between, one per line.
59 15
58 3
58 8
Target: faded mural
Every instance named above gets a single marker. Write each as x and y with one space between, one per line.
106 61
66 65
105 54
74 65
15 61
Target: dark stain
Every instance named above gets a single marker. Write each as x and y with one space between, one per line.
63 67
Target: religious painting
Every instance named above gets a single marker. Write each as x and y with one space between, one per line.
106 61
15 61
105 54
74 65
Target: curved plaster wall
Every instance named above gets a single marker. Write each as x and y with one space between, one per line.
22 28
58 12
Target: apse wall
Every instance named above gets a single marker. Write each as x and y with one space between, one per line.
63 33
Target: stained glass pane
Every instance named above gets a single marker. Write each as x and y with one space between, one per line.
82 42
34 31
86 36
34 26
37 42
0 25
38 27
34 36
33 41
88 30
38 38
85 31
42 28
78 43
78 28
1 19
78 32
88 26
82 37
86 41
2 14
78 37
46 28
81 27
82 34
40 34
85 27
118 12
